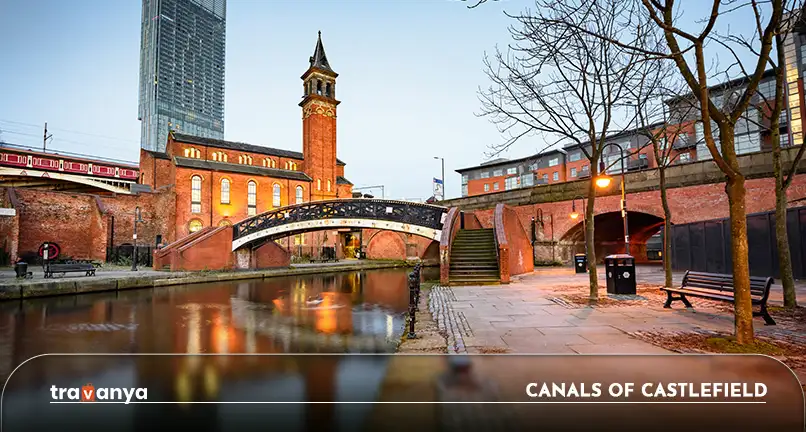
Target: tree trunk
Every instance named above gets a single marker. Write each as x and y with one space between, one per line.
667 229
589 240
781 235
743 308
782 242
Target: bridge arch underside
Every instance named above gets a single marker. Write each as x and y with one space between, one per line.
609 235
381 240
60 182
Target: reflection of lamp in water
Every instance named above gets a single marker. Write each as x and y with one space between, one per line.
251 343
194 337
390 326
183 388
325 316
211 381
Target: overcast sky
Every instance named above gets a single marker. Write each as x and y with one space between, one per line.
409 73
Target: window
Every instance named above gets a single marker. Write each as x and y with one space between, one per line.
300 198
291 166
245 160
225 222
486 187
269 163
485 174
224 191
195 194
545 178
194 225
318 184
498 173
299 239
328 185
464 190
191 152
684 157
513 170
464 178
527 180
495 186
573 172
511 183
575 156
275 196
554 161
555 176
251 198
533 167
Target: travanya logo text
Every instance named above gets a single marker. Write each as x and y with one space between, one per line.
88 393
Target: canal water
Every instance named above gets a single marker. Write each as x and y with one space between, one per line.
350 312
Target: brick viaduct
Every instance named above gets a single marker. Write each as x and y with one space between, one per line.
695 192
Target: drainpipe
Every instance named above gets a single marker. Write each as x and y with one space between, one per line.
211 199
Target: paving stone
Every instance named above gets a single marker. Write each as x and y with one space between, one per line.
542 340
580 330
629 348
533 321
608 338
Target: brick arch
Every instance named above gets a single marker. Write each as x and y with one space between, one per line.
386 245
563 225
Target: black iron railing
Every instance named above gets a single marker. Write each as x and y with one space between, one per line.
424 215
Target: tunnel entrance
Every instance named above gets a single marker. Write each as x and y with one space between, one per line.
609 235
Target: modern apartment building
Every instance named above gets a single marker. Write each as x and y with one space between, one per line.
182 59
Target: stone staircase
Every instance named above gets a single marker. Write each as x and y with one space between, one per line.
473 258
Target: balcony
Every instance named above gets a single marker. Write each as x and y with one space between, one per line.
637 164
684 141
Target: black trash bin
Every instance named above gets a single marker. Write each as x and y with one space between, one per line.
21 268
581 263
620 274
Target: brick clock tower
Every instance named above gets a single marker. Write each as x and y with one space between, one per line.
319 125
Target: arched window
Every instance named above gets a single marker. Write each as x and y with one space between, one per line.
194 225
225 222
275 201
191 152
269 163
319 87
289 165
300 198
318 184
245 159
219 156
328 185
195 194
327 89
251 198
224 191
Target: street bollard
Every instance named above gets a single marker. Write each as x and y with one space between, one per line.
412 305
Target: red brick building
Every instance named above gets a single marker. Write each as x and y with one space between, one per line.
86 206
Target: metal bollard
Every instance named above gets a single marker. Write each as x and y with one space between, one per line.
412 305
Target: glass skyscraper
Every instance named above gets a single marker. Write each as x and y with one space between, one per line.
181 70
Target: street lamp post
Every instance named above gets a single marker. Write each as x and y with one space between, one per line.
443 176
604 180
574 215
137 219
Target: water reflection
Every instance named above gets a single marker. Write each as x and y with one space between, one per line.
345 312
324 313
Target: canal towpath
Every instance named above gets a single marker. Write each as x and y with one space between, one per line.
120 278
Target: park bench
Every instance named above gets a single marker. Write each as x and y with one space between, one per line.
715 286
87 269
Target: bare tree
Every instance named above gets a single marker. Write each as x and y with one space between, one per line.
566 86
719 115
771 112
658 84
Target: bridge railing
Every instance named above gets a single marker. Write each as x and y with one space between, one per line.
425 215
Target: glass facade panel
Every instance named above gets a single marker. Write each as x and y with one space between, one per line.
182 54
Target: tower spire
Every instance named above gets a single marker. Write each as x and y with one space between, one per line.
319 59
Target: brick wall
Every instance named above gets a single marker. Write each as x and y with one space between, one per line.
319 149
211 251
271 255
